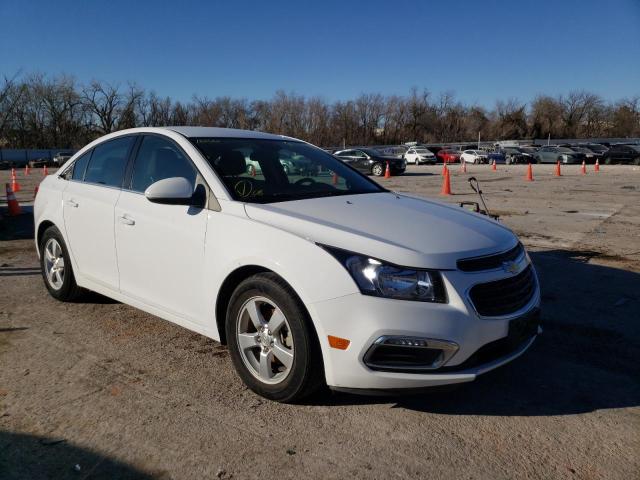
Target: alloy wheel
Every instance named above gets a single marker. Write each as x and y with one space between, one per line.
54 263
264 340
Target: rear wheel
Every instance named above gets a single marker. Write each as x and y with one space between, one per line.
272 342
636 161
607 161
56 266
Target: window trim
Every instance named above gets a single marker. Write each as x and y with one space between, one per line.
132 160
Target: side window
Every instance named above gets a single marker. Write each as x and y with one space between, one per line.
358 154
157 159
80 165
108 162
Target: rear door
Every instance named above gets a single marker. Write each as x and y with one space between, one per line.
161 247
88 209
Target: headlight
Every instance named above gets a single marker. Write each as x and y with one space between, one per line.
380 279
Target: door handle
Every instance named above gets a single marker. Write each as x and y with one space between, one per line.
126 220
72 203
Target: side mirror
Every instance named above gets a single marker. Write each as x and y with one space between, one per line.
170 191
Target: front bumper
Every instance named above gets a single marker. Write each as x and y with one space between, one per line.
364 319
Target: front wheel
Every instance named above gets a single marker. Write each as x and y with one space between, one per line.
271 340
377 170
56 266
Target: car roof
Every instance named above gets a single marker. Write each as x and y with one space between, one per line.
223 133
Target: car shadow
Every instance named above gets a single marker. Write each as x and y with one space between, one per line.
585 360
33 457
19 227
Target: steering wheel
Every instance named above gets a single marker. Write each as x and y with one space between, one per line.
306 181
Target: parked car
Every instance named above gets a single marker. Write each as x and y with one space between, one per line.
553 154
516 155
594 147
622 154
498 157
419 155
40 162
370 161
61 157
308 282
448 155
474 156
590 155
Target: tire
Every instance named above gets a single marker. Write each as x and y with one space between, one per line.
607 161
416 162
377 169
305 374
61 285
636 161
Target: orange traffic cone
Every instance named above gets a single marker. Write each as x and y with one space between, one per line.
529 177
583 168
446 183
253 170
15 186
557 173
387 172
26 170
45 171
463 167
493 166
12 203
596 168
335 179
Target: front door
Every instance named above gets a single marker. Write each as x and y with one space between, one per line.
161 247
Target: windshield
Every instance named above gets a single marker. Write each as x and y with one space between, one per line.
564 150
265 171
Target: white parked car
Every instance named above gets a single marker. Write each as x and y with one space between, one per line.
474 156
325 279
418 155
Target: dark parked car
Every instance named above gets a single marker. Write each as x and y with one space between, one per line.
590 155
553 154
517 155
594 147
370 161
622 154
497 156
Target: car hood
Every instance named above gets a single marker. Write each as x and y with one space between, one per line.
397 228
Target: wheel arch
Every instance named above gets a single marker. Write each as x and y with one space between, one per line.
42 227
228 286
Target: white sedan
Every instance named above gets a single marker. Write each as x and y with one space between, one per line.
474 156
418 155
325 279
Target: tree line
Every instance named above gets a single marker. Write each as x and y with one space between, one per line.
38 111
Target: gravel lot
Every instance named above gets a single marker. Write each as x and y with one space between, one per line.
100 390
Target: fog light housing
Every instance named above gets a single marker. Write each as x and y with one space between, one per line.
408 354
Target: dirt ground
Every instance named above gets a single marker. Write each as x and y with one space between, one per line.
100 390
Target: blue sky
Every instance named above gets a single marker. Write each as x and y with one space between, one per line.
480 50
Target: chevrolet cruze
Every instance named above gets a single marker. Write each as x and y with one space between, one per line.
311 279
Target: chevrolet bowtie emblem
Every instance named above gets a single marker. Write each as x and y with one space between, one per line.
511 267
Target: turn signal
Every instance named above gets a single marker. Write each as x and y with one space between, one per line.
339 343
